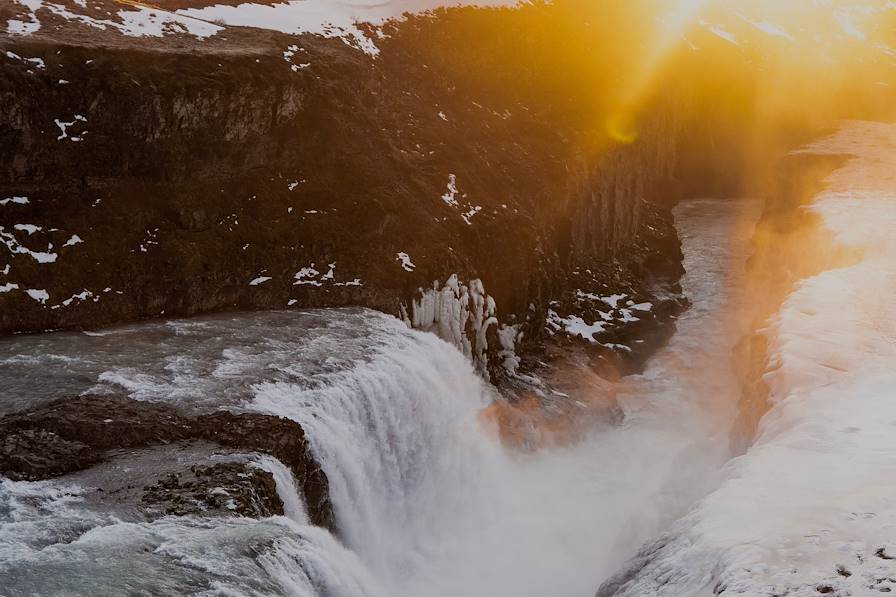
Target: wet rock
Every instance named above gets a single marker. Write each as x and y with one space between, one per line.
228 488
72 434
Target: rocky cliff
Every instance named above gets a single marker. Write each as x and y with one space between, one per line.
194 167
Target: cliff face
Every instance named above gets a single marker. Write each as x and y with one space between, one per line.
251 169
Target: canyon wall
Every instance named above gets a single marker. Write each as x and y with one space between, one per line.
241 168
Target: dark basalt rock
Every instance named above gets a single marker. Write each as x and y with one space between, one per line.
227 487
73 434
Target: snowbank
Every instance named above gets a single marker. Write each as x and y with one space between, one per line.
811 508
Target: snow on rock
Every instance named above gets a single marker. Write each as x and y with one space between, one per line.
80 297
324 17
306 276
508 335
468 215
353 282
309 276
37 62
606 312
288 56
613 299
32 25
7 287
575 326
16 200
150 22
64 126
259 280
450 196
810 508
640 306
331 272
17 27
406 263
136 21
14 246
459 314
74 240
41 296
28 228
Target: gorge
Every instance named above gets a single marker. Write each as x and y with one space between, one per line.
328 298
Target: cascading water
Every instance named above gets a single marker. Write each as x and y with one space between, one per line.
427 501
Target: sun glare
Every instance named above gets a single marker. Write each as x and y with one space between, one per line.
805 52
621 124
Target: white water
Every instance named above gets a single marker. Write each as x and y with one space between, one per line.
428 503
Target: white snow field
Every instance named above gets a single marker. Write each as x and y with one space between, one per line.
811 508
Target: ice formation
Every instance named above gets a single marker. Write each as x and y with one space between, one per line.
459 314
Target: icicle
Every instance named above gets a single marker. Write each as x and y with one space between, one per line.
459 314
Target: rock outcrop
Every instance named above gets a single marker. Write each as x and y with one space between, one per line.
73 434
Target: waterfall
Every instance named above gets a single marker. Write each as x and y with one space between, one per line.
427 500
399 440
430 503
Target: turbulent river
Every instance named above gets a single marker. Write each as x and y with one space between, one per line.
428 502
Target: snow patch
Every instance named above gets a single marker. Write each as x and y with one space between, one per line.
41 296
310 276
29 228
339 20
15 247
81 296
306 276
36 62
575 326
406 263
138 21
64 126
450 196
